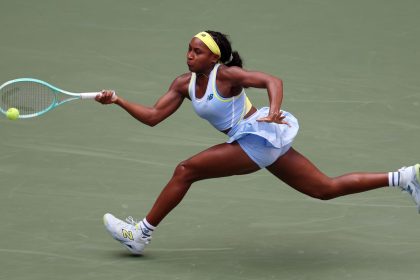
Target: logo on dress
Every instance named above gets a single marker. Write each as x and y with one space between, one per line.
210 97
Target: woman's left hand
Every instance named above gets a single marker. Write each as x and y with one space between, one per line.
274 118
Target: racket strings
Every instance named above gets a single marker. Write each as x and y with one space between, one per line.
28 97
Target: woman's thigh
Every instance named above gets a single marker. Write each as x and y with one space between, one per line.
219 161
298 172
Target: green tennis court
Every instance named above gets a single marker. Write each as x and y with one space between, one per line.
351 74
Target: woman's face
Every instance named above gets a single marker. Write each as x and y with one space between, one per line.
199 57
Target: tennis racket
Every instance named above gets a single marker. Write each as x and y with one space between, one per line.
34 97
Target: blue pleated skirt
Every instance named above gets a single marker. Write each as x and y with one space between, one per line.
264 142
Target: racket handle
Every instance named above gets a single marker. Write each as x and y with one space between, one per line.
92 95
89 95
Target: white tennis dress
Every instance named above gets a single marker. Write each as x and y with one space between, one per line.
263 142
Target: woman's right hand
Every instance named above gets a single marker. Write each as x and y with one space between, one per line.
107 97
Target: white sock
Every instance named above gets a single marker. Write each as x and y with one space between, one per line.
394 179
146 228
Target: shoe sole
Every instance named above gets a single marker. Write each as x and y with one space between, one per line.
417 169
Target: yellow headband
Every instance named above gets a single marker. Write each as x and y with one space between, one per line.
209 41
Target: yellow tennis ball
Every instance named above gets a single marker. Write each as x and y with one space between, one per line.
12 114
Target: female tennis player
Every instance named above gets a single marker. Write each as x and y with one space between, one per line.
257 138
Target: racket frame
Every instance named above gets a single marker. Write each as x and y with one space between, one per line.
56 91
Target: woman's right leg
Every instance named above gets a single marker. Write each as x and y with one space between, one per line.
298 172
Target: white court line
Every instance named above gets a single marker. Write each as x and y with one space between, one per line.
193 250
361 205
84 152
45 254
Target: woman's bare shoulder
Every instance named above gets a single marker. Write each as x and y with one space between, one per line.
181 84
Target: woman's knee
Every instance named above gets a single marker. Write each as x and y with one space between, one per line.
324 195
324 191
185 171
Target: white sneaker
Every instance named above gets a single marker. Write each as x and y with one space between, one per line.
128 233
410 182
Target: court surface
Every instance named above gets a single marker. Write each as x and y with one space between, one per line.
351 74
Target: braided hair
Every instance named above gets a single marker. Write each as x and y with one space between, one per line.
227 56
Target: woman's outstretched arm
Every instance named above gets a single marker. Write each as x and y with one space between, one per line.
163 108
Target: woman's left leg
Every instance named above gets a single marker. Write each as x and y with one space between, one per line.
298 172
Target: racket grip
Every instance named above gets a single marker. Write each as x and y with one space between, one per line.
89 95
92 95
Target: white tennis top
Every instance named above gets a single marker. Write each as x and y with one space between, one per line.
223 113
